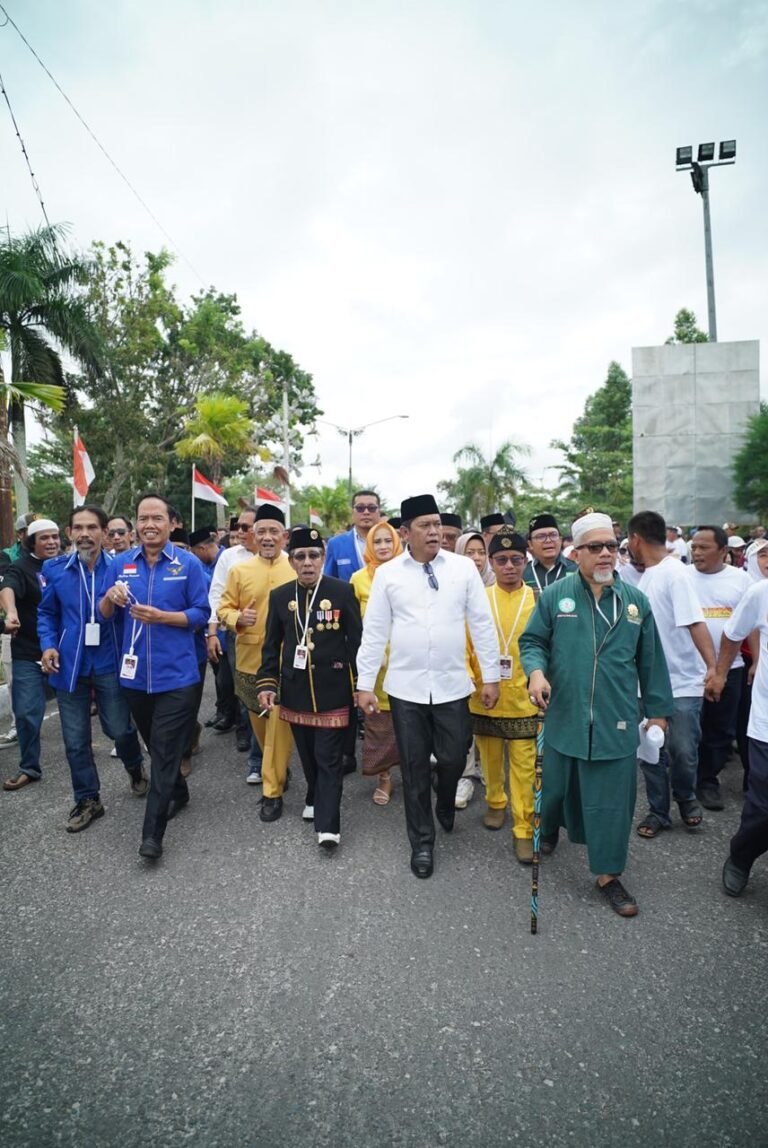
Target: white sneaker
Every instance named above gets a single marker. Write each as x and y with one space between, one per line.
113 751
10 736
465 791
308 813
328 840
254 776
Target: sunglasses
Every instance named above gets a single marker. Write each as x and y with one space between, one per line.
116 533
508 559
598 547
431 579
365 507
243 527
304 555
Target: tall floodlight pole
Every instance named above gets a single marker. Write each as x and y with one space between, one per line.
351 433
699 170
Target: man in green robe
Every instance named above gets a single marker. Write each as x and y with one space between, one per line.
589 642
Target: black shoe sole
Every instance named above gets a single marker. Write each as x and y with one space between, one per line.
151 850
271 814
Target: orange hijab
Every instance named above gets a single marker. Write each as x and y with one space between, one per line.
372 563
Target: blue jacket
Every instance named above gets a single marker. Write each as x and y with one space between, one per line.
63 612
167 658
341 556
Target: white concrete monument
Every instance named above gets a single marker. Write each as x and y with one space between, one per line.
690 406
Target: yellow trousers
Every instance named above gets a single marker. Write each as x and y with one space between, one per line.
276 741
522 760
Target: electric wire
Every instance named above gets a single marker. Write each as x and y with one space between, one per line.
25 153
97 141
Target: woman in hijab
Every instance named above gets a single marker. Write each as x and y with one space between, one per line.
471 545
757 559
379 746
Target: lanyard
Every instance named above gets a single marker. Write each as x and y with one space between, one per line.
303 638
506 640
135 629
558 566
602 615
90 595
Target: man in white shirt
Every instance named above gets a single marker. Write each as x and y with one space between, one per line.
751 838
684 636
675 544
421 604
719 588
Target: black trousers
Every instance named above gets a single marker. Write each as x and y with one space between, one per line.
320 752
202 666
751 838
226 700
742 719
165 722
444 731
718 729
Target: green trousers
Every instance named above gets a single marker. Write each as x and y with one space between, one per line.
595 801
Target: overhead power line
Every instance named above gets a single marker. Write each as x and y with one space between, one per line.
96 140
25 153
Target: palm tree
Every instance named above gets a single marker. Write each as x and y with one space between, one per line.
484 484
219 430
40 316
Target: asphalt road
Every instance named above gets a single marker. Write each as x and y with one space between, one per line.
250 990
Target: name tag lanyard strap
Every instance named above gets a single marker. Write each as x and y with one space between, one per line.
303 636
135 629
90 594
507 640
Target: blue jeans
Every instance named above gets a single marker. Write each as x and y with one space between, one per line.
115 718
28 694
255 756
678 761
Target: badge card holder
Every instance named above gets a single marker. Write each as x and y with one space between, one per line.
300 658
128 667
505 667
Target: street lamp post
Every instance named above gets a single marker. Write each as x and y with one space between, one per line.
351 433
699 170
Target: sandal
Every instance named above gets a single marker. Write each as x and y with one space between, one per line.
383 791
650 826
690 813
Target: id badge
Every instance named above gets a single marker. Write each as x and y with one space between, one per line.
505 668
92 633
300 658
128 668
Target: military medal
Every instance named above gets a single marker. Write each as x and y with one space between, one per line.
292 607
320 620
325 604
336 616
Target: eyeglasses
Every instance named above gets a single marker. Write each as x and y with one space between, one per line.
427 568
304 555
598 547
623 550
116 533
365 507
550 536
508 559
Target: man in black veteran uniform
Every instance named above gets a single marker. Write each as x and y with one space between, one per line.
310 648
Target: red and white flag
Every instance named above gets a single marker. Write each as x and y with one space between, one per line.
314 518
203 488
260 496
83 473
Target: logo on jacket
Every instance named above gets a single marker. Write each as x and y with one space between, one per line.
566 605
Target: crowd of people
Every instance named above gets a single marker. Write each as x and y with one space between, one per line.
438 649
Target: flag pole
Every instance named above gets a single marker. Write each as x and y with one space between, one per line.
193 497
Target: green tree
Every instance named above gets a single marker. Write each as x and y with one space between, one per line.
331 503
686 330
481 484
41 314
219 429
750 467
598 456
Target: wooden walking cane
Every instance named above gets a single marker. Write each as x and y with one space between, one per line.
537 777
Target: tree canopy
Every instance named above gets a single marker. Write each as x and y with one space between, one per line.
686 330
483 484
750 466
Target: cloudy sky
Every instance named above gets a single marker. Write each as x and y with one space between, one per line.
461 210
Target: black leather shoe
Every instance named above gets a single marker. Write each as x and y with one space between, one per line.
709 796
349 763
150 849
271 808
446 817
734 878
212 721
549 843
176 805
421 862
223 725
243 740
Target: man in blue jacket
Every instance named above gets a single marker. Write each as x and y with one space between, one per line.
344 553
162 593
79 654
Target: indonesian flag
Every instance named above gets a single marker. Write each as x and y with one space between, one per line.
83 473
314 518
204 488
261 496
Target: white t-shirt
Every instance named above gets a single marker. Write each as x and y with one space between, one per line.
719 595
629 574
679 549
752 614
675 606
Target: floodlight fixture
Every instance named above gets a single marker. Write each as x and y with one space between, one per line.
706 152
727 150
683 156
